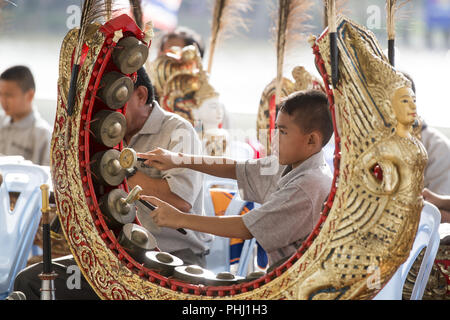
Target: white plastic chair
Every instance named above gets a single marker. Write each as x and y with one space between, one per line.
18 227
427 236
246 257
218 259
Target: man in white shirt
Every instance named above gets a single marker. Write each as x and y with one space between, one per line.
148 126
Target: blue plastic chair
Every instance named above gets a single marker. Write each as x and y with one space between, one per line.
427 236
18 227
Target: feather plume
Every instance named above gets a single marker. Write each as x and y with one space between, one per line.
330 9
330 13
392 7
339 9
108 8
292 15
227 19
91 11
136 7
3 4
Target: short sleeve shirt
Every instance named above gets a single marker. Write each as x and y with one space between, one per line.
291 201
30 138
437 171
169 131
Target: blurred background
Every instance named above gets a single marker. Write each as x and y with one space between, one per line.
31 32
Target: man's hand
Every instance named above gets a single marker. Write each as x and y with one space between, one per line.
164 215
162 159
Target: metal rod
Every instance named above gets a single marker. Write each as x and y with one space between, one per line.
47 276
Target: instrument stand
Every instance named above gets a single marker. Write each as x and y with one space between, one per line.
47 276
48 285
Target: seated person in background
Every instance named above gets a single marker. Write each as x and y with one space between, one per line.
437 171
181 37
22 130
291 195
148 126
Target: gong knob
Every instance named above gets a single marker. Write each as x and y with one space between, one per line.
116 212
192 274
116 89
137 240
108 127
130 54
106 167
223 279
252 276
162 262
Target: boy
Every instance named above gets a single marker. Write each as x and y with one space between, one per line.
22 130
291 196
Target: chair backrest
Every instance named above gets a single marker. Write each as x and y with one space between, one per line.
427 236
218 259
211 181
18 227
246 257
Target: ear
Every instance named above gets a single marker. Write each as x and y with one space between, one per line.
142 94
315 139
29 95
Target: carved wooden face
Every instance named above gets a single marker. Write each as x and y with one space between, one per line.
404 105
210 113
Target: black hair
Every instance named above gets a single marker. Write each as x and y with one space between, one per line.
144 80
21 75
189 36
311 111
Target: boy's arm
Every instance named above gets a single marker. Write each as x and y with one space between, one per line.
163 159
166 215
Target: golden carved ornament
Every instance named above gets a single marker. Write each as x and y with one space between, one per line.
368 222
180 81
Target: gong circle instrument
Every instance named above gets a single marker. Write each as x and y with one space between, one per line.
120 258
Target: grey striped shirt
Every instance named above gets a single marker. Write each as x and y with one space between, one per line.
291 201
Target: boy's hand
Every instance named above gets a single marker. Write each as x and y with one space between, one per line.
164 215
162 159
